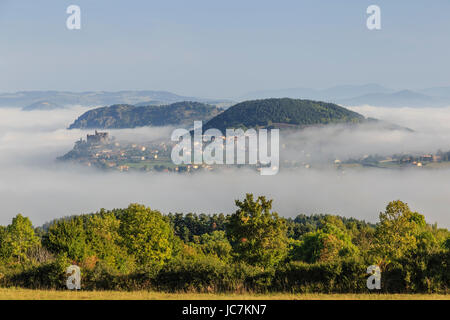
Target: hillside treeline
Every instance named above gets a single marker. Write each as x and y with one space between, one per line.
251 250
284 112
121 116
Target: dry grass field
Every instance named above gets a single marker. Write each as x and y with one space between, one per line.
26 294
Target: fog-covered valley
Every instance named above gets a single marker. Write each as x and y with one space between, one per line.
34 184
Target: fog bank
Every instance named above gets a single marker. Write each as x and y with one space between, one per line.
32 183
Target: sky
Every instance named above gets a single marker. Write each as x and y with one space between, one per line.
222 49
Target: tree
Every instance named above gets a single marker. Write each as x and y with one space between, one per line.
257 235
190 225
215 244
146 235
397 232
330 242
447 243
68 236
102 235
18 238
4 255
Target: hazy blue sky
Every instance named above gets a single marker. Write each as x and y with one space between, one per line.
222 48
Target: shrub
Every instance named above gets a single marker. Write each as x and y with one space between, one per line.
204 274
50 275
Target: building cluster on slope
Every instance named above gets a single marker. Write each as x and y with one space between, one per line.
101 150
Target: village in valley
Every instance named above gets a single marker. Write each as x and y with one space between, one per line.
437 160
102 151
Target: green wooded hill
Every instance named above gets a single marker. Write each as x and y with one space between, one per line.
122 116
282 113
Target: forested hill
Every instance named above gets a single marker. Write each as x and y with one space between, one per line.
282 113
128 116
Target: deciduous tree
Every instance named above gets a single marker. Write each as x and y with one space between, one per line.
258 236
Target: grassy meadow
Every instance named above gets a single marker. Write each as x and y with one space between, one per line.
27 294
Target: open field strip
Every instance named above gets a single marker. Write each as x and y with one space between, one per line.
27 294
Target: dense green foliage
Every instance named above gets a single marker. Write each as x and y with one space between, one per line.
252 249
281 113
257 235
17 239
146 235
190 225
128 116
329 243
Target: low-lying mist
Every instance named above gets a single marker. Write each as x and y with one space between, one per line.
34 184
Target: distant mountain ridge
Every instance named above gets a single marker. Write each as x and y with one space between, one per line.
25 99
42 105
346 95
337 92
129 116
369 94
404 98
